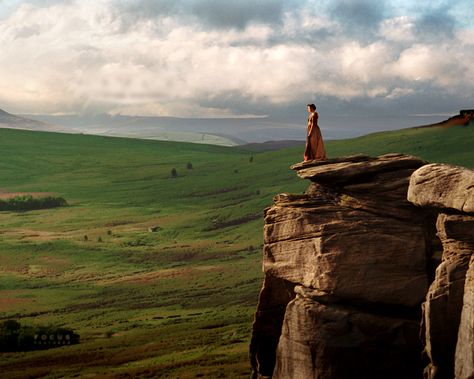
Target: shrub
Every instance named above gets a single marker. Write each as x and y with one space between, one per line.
251 159
189 166
174 173
28 202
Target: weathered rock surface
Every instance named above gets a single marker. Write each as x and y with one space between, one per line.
444 301
357 249
336 341
349 253
347 267
464 361
355 168
275 294
449 189
443 186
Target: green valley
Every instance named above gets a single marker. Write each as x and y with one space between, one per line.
159 274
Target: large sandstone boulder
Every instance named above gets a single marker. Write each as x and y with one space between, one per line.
443 186
347 266
321 341
346 252
444 301
447 340
357 251
354 168
274 296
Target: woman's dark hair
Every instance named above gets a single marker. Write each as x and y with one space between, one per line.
312 107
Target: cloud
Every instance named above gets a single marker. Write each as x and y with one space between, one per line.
86 58
444 65
201 58
238 13
398 29
212 13
435 24
400 92
358 17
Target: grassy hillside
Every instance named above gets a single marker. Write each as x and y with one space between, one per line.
452 145
177 302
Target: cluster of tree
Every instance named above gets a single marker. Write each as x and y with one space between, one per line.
15 337
174 172
28 202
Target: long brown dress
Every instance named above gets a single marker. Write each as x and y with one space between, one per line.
314 141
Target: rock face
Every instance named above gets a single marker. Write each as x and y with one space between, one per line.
356 250
323 339
349 264
449 343
443 186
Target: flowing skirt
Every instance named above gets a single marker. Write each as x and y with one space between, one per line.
315 146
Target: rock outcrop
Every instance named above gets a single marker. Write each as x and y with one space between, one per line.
449 342
443 186
348 265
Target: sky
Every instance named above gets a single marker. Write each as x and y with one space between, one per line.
360 59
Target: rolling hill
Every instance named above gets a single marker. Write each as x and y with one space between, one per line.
159 275
8 120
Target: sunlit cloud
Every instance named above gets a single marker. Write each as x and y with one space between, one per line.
206 60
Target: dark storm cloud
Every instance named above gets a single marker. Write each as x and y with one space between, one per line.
238 14
149 8
435 24
358 17
213 13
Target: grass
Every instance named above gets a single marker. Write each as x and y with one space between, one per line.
451 145
177 302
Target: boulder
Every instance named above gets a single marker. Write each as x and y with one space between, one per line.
275 294
348 253
326 341
356 250
443 186
352 169
444 301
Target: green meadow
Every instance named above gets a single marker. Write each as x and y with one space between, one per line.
159 275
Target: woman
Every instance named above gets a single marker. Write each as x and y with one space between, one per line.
314 140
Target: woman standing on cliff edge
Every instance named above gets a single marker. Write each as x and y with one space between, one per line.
314 139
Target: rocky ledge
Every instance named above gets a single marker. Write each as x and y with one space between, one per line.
355 273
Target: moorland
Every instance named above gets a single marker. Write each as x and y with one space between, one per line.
158 273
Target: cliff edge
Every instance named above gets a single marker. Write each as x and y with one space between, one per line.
349 264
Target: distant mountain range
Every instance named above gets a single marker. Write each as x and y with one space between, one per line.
215 131
8 120
218 131
159 128
257 133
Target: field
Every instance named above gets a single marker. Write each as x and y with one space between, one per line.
158 274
